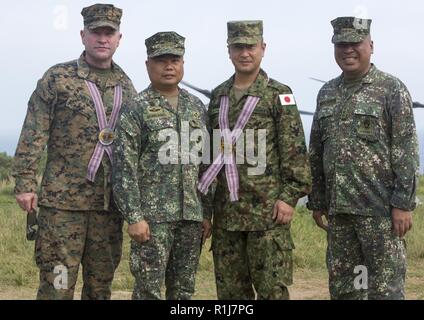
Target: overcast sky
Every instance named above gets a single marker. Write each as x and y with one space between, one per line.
38 34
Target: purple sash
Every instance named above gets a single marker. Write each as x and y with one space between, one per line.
229 138
104 126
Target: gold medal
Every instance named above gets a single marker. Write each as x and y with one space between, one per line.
106 136
226 148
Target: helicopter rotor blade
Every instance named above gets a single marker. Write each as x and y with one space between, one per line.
205 92
208 94
316 79
308 113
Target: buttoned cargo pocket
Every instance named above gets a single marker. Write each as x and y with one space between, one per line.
283 238
283 256
367 121
326 121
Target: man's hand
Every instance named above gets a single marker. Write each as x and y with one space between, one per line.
139 231
27 201
206 230
401 222
282 213
317 215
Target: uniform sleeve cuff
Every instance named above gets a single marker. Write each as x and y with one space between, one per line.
290 200
397 202
25 187
134 218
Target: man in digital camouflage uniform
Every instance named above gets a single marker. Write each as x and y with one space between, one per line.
251 241
364 158
78 223
154 184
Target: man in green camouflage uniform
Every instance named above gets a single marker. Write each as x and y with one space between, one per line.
251 241
154 187
364 158
78 223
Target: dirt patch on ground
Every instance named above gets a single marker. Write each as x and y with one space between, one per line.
307 286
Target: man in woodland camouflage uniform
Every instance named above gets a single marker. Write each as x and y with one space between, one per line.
72 111
364 158
254 200
155 177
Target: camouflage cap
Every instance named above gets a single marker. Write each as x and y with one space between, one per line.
244 32
101 15
350 29
168 42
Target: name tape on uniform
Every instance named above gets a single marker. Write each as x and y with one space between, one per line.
287 100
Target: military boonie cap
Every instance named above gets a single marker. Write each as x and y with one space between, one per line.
101 15
244 32
168 42
350 29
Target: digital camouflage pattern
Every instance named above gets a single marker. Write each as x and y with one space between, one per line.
364 159
171 254
350 29
67 239
162 43
165 195
267 263
249 249
74 227
287 173
365 241
101 15
244 32
144 188
363 147
61 115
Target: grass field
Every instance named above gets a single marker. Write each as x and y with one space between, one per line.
19 275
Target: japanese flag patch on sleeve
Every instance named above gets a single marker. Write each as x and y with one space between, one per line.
287 99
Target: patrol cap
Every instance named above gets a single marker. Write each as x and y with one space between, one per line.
350 29
244 32
167 42
101 15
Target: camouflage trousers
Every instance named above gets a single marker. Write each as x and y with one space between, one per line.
171 255
365 259
67 239
249 261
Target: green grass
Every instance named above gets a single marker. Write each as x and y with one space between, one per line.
310 241
18 271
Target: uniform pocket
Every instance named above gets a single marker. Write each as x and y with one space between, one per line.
284 255
162 130
159 123
326 121
261 111
367 121
283 239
